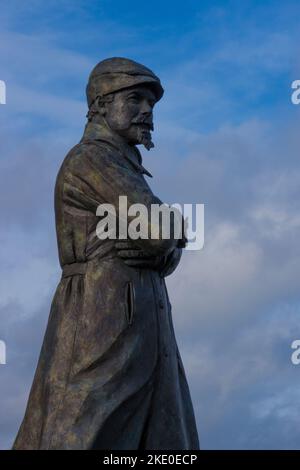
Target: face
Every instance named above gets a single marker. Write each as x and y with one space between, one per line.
130 114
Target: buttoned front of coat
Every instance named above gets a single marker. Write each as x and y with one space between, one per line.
109 375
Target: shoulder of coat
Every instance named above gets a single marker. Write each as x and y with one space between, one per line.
82 153
84 157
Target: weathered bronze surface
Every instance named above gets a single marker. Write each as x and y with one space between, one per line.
110 375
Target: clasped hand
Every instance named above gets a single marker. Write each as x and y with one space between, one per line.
135 256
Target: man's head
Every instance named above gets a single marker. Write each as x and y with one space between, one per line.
123 93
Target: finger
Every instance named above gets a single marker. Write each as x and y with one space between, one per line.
139 263
129 253
133 254
125 245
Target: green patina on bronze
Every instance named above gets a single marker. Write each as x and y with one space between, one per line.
109 375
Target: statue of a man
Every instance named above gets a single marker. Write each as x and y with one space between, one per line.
110 375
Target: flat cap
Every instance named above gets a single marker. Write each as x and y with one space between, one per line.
117 73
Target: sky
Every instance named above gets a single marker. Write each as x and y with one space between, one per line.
226 136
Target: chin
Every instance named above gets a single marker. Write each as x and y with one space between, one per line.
140 137
132 141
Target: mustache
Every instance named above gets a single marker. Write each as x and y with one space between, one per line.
143 120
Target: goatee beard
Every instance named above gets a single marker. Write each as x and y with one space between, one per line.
144 138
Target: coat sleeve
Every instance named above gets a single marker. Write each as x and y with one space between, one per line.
97 175
170 261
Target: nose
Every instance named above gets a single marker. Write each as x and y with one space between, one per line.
146 109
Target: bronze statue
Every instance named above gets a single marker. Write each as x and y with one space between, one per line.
110 375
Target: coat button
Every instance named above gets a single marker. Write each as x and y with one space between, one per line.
161 303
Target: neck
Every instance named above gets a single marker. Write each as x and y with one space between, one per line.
98 126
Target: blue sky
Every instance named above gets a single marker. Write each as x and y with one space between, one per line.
226 135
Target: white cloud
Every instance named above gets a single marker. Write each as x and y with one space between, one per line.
228 299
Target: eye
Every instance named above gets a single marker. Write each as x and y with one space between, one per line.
133 99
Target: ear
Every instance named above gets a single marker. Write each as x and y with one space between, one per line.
100 106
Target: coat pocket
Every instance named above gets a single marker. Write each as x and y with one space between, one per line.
129 302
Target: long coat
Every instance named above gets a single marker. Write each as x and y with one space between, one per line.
109 375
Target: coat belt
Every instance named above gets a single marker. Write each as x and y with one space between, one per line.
74 268
101 252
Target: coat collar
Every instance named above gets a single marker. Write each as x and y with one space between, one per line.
101 132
